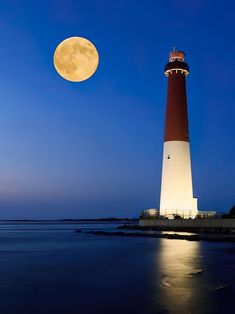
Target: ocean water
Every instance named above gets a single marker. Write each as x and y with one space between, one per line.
47 268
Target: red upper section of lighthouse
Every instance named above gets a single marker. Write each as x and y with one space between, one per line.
176 127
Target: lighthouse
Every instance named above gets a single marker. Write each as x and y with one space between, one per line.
176 185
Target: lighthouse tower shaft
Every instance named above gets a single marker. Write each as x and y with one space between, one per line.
176 186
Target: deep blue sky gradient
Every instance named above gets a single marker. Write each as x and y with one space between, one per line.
94 148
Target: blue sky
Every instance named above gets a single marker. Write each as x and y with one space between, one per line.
94 149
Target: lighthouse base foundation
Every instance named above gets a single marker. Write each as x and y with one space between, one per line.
206 225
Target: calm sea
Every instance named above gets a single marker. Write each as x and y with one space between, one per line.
47 268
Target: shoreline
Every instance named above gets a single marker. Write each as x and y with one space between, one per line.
191 229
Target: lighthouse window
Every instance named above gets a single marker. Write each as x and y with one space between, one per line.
168 157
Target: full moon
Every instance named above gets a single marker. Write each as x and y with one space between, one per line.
76 59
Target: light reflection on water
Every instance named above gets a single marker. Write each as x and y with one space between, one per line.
178 264
178 232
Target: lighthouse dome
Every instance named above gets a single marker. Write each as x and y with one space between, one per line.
176 56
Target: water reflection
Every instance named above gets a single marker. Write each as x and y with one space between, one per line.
180 272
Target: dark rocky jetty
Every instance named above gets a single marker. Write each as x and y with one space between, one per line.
175 236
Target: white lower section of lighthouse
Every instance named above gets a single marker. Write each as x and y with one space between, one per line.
176 187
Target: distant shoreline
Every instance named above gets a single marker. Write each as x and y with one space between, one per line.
111 219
